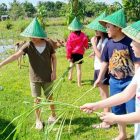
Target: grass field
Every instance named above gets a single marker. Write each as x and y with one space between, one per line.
16 91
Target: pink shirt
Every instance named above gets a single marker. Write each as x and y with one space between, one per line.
76 44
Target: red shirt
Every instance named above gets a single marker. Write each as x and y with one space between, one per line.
76 44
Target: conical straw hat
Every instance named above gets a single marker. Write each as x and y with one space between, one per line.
117 18
95 25
75 25
133 31
34 30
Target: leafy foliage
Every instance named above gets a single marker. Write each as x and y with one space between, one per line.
132 8
3 9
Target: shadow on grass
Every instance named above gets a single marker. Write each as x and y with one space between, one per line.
3 124
84 82
83 123
87 82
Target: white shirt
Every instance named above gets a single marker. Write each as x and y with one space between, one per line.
100 46
40 49
136 80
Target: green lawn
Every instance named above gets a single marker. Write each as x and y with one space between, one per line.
76 124
16 90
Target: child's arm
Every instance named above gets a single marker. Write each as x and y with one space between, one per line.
97 52
12 58
53 75
127 118
92 55
117 99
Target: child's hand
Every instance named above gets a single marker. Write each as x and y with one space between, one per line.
61 43
92 55
97 83
88 108
94 41
108 117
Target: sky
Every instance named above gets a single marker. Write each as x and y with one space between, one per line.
36 1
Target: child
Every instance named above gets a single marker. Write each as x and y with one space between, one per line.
98 43
42 65
119 57
75 47
133 31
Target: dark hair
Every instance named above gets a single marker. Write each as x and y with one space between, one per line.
105 36
77 32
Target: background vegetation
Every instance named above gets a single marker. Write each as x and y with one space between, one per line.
86 8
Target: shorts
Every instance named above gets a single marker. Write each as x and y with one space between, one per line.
76 57
37 86
117 86
105 80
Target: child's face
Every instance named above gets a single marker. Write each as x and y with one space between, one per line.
35 39
136 48
112 30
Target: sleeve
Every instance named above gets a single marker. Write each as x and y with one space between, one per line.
68 48
104 55
51 48
86 42
24 48
104 43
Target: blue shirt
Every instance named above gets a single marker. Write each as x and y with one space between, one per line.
120 57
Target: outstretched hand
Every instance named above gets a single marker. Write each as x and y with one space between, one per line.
97 83
88 108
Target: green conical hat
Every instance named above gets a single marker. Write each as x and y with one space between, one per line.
117 18
75 25
34 30
133 31
95 25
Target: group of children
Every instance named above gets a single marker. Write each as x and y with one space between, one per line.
115 63
118 58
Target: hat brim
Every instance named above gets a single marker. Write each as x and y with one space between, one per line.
130 36
74 29
33 36
104 22
96 29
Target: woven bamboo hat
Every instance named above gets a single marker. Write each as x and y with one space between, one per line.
75 25
133 31
34 30
95 25
117 18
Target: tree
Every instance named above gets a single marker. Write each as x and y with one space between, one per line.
132 8
29 9
16 10
76 9
58 5
94 8
41 14
3 9
113 7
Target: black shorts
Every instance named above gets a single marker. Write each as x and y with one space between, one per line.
105 80
76 57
